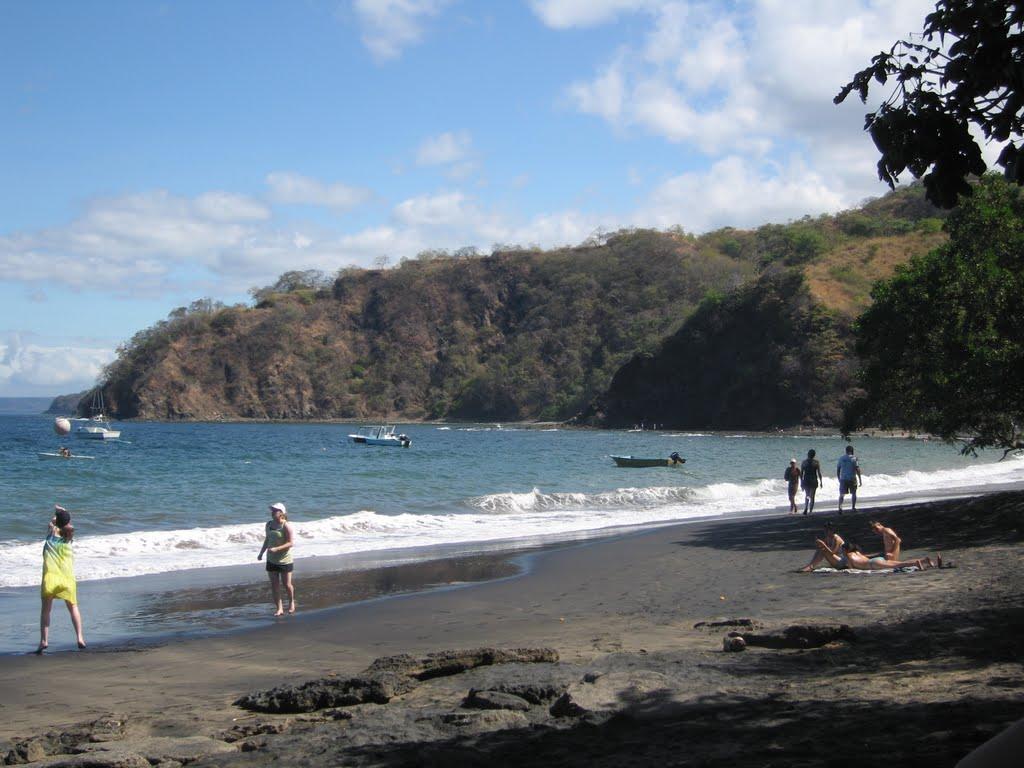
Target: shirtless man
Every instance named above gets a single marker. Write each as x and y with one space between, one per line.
834 543
858 561
890 541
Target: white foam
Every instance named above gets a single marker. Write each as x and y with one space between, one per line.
533 515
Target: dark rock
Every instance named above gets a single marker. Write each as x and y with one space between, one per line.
537 692
373 688
495 700
800 636
484 721
749 623
455 662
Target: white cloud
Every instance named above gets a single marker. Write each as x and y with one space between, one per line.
563 14
444 149
28 368
733 192
391 25
748 79
295 189
433 210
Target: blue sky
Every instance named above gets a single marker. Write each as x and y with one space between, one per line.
152 153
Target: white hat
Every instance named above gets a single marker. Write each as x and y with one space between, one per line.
792 461
277 506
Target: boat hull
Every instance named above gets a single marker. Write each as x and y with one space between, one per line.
636 461
97 433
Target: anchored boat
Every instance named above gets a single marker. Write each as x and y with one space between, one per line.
675 460
381 435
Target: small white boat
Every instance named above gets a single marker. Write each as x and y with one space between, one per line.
382 435
96 427
69 457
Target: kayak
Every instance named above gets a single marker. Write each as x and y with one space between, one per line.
637 461
58 456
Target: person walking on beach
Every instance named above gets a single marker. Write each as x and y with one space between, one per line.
59 577
848 473
890 541
792 477
810 479
277 543
834 543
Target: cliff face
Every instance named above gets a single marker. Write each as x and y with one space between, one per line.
521 335
733 329
766 356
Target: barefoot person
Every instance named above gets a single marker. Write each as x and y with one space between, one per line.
858 561
792 477
890 541
59 577
848 474
810 479
277 543
834 543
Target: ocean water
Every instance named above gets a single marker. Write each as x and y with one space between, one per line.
173 498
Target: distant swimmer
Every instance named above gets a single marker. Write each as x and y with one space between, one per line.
792 478
59 577
277 543
811 480
848 474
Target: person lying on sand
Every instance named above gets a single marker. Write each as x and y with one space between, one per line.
834 543
858 561
890 541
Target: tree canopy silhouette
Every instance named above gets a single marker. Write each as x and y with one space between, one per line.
965 69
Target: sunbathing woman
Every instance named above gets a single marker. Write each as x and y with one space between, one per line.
858 561
834 543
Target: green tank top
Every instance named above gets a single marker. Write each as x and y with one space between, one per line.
275 538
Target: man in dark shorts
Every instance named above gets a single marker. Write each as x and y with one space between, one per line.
848 474
810 480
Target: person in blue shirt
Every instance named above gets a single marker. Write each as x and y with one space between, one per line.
848 473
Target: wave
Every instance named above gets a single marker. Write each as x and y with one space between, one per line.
527 517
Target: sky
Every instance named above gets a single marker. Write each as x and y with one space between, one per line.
155 153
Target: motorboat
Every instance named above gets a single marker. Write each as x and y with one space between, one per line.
381 435
675 460
96 426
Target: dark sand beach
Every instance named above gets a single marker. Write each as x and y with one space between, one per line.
929 667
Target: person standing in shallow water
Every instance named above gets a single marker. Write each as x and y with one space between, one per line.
811 480
848 474
277 543
59 577
792 477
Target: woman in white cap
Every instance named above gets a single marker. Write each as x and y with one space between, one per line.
277 543
59 576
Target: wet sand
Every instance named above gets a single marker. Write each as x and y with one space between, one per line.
939 653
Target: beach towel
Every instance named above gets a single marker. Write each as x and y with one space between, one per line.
905 569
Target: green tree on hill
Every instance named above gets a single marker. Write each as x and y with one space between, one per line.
943 343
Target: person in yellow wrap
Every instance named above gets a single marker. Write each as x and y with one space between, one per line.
59 576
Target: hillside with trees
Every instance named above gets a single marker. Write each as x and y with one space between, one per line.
528 334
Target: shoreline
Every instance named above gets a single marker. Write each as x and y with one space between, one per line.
153 609
631 601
